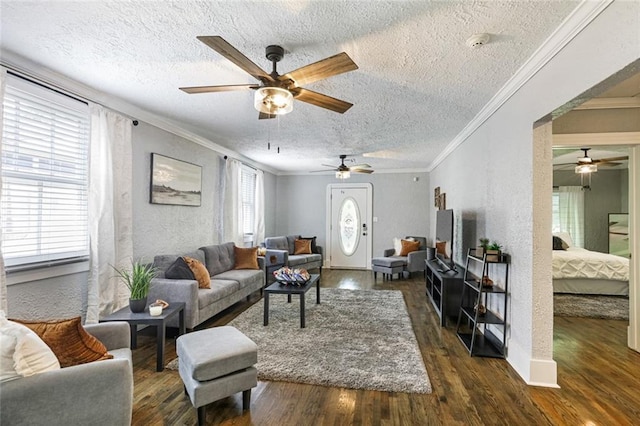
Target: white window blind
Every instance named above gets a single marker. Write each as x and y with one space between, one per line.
248 189
45 140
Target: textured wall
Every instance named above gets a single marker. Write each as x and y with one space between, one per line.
489 178
604 197
401 205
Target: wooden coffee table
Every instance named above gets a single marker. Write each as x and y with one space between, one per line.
159 322
288 289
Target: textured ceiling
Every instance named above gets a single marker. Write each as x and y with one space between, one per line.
416 88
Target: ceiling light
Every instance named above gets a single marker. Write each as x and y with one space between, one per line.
478 40
586 168
343 174
273 100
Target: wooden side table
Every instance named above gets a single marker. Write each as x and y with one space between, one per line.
159 322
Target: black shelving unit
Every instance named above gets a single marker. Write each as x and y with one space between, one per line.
444 290
473 327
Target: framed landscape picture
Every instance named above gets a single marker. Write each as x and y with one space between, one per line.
175 182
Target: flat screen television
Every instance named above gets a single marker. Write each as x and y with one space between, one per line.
444 240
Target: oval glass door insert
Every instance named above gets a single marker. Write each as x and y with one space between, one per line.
349 225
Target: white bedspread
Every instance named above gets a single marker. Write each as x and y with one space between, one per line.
580 263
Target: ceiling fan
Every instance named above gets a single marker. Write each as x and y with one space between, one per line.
275 93
343 171
586 164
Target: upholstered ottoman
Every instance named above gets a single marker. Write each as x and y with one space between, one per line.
388 266
216 363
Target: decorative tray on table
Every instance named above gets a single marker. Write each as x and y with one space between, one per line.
288 276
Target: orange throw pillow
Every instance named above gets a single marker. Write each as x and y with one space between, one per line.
302 247
409 246
199 271
441 248
245 258
69 341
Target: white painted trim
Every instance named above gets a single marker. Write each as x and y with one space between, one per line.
23 66
633 332
609 103
369 187
600 139
581 16
535 372
45 273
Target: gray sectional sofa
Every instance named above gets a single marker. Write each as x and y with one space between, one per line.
282 248
228 285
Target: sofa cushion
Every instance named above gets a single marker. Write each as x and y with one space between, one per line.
302 247
199 271
219 290
219 258
276 243
179 270
298 259
244 277
291 243
163 261
314 244
69 341
409 246
22 352
245 258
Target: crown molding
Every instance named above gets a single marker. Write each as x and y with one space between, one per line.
577 20
27 68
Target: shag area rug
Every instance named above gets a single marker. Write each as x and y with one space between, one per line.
591 306
358 339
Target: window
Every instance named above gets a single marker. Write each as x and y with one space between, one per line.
45 144
248 195
568 212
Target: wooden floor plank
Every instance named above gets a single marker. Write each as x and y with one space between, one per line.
599 378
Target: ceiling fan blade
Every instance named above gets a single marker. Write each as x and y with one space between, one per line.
609 164
221 46
211 89
608 160
320 171
368 171
565 164
325 68
329 165
360 166
318 99
265 116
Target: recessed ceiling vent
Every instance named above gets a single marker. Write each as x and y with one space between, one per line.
477 40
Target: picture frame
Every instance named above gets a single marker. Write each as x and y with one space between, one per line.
175 182
442 204
619 234
436 197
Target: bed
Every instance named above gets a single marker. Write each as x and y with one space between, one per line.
580 271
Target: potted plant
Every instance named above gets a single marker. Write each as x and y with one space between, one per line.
484 243
137 281
493 252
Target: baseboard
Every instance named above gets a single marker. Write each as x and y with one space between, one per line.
535 372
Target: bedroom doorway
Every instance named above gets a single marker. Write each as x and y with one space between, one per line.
615 109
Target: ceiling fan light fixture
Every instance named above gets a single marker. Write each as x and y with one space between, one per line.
273 100
343 174
586 168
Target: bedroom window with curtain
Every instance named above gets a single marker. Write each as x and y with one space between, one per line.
45 140
568 212
248 197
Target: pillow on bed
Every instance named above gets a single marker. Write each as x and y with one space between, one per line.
565 237
559 244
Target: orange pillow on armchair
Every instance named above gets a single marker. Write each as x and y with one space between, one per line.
409 246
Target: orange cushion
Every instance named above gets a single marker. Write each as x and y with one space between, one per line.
302 247
441 248
199 271
409 246
245 258
69 341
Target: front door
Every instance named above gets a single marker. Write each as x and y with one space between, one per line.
349 226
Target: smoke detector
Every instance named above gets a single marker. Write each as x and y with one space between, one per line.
477 40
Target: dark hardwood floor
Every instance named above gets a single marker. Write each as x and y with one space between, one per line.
598 375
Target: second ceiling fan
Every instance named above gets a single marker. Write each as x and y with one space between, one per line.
275 93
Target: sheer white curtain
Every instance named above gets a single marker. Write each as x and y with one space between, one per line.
110 211
258 221
571 212
3 276
231 229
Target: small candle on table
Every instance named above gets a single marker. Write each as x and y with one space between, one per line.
155 310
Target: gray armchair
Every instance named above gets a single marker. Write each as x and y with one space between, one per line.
414 261
96 393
